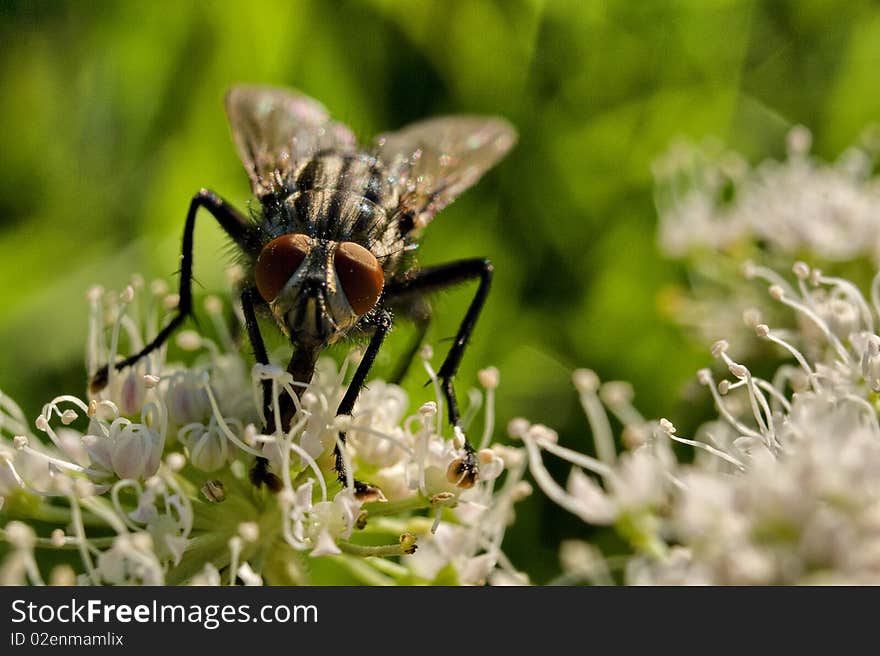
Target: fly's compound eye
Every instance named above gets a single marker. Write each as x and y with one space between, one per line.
278 261
360 274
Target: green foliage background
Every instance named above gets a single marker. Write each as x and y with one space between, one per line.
112 118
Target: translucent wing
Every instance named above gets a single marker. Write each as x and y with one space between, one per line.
276 131
433 161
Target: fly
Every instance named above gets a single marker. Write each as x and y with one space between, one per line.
330 251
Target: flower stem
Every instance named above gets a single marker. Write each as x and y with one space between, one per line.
364 572
365 550
379 508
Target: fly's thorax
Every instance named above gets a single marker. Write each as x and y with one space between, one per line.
342 214
317 288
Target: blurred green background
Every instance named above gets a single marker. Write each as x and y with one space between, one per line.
112 118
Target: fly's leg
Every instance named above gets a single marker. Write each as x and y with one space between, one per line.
249 300
301 368
465 471
234 225
259 473
382 323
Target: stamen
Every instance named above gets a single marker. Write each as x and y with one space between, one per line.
587 383
853 295
120 511
80 535
763 331
435 382
819 322
221 422
235 544
705 377
552 489
491 383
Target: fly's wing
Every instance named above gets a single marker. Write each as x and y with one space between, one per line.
276 131
431 162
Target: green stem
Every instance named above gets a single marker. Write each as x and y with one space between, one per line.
364 550
388 567
46 543
364 572
378 508
209 547
55 515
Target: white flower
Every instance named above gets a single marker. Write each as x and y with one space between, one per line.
208 576
595 506
582 562
382 407
186 398
719 213
133 459
784 487
136 450
133 393
328 521
709 197
208 447
130 561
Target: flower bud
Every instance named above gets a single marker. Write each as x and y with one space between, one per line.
208 446
135 451
187 400
131 396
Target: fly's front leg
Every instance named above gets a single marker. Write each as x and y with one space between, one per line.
465 470
363 491
259 473
234 224
249 299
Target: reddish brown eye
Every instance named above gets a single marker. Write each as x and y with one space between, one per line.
360 274
278 261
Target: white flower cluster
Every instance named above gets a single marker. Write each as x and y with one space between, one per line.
784 487
160 458
716 212
711 199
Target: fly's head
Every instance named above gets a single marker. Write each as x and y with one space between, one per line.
317 288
